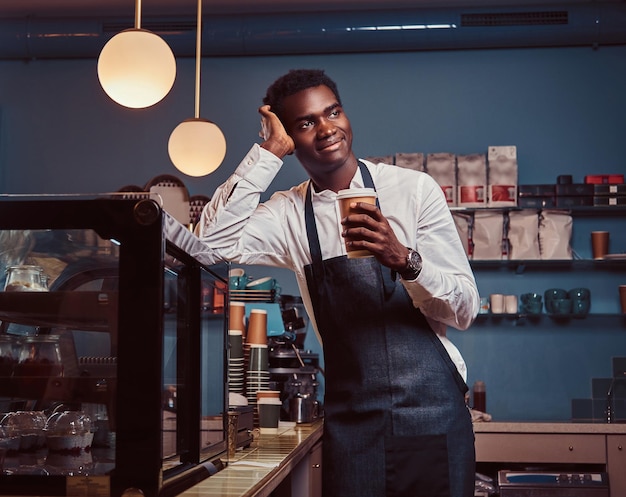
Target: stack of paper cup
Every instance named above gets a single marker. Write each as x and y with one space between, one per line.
237 317
258 376
236 372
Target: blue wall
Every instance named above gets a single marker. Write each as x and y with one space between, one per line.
563 108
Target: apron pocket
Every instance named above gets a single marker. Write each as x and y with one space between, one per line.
417 466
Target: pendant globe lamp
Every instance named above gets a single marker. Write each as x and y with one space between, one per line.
197 146
136 67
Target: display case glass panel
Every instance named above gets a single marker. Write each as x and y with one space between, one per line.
112 348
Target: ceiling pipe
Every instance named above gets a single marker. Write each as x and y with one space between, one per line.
593 24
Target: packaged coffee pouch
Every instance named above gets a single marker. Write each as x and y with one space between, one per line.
472 180
502 176
488 235
442 167
410 160
555 235
376 159
464 226
523 235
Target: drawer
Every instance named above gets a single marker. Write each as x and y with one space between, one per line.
540 448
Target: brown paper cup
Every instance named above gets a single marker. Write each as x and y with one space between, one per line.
599 244
269 414
345 198
236 317
257 327
622 297
267 394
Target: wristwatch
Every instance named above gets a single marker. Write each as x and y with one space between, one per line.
413 265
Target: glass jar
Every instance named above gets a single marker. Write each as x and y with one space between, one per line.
40 356
25 279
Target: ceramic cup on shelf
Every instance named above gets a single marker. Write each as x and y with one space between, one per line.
496 302
561 306
552 294
531 303
237 279
510 304
581 301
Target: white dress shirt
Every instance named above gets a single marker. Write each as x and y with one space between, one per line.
238 228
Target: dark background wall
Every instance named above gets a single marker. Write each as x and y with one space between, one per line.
562 107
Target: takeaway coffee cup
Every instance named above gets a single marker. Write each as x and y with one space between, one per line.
237 316
347 197
257 327
599 244
269 414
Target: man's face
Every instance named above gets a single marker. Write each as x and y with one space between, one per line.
320 130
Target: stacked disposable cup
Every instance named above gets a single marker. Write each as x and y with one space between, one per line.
268 407
258 375
237 317
236 369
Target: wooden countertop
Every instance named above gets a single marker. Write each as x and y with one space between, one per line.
549 427
256 471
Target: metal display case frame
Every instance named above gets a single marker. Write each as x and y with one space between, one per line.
149 239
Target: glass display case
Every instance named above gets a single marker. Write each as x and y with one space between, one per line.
113 327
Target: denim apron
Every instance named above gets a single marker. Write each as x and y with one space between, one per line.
395 419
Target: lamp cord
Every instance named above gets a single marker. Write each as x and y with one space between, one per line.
198 58
137 14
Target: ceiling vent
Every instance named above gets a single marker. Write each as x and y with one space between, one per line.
593 24
515 19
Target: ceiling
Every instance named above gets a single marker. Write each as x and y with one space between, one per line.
124 8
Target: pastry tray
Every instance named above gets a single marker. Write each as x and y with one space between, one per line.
89 311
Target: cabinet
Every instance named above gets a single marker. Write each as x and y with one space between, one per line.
616 462
306 478
140 316
554 445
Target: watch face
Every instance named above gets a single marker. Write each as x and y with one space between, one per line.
415 260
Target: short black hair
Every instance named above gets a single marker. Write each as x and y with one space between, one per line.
293 82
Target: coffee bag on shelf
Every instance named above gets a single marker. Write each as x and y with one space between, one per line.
502 176
523 235
555 234
464 222
442 167
377 159
410 160
472 180
488 235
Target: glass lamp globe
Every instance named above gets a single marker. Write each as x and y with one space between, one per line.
136 68
197 147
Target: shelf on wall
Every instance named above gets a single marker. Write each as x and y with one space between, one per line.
575 211
518 319
520 266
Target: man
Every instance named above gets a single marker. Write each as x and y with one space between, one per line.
396 423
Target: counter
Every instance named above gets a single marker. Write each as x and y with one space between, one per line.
548 427
585 445
284 459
